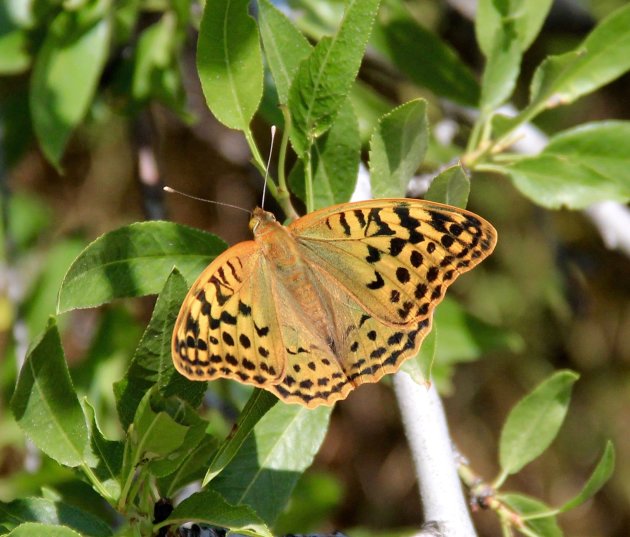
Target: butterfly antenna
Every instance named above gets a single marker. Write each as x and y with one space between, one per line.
173 191
273 137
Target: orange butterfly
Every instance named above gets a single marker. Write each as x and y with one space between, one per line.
338 298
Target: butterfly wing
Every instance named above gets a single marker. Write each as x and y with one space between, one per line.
361 349
396 257
226 325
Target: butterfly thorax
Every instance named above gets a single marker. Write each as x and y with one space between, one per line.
293 278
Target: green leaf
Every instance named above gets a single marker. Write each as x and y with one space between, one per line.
258 405
33 529
527 506
14 56
397 148
369 106
41 299
283 445
155 432
451 186
502 68
527 17
419 367
29 217
229 62
209 507
65 76
599 59
152 363
317 497
600 475
285 47
464 338
153 55
423 57
135 260
17 129
52 513
335 162
578 167
504 30
45 404
192 468
534 422
108 455
125 18
113 341
196 437
323 80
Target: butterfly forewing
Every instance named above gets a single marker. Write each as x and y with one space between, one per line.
396 257
339 298
227 322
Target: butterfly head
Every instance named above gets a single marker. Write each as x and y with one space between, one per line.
261 221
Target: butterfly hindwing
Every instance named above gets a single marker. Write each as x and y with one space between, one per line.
361 349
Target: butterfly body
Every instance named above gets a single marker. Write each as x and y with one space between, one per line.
293 280
338 298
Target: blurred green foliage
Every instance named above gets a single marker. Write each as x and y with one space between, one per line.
89 87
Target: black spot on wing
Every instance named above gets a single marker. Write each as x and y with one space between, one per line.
228 339
227 318
244 309
192 326
344 223
261 331
381 227
410 223
396 246
402 274
378 283
233 271
358 213
439 221
374 255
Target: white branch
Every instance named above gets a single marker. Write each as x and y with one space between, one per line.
431 448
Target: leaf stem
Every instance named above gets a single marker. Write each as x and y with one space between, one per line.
96 483
499 480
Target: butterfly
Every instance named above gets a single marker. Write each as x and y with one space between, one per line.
338 298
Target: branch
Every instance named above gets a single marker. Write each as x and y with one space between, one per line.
427 433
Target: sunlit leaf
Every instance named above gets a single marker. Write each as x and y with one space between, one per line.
45 404
535 421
